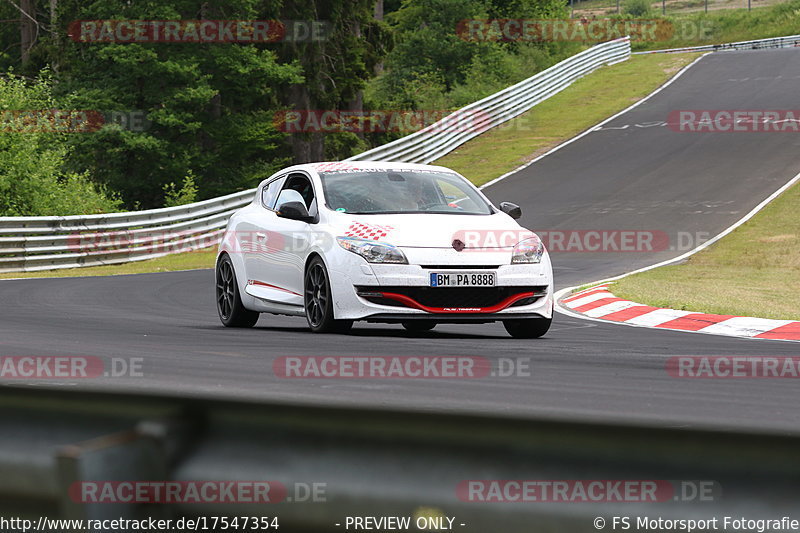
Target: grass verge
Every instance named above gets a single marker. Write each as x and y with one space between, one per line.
590 8
754 271
731 25
579 107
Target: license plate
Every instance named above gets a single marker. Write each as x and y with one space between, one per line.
463 279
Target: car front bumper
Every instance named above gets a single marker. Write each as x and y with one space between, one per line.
394 293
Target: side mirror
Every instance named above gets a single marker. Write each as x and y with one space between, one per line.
512 210
294 211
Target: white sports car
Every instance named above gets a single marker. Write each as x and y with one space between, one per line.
382 242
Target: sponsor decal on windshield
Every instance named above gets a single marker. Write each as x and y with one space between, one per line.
348 168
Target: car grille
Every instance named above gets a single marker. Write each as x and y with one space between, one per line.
465 297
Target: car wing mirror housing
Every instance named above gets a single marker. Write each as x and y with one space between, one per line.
512 210
294 211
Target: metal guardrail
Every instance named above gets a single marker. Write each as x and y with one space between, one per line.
757 44
373 462
45 243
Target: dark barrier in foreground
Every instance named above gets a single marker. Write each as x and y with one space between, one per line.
105 456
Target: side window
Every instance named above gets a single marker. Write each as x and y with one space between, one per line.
270 193
298 188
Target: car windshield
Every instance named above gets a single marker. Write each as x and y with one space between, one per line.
383 191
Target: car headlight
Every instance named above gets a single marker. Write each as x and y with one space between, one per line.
372 251
528 251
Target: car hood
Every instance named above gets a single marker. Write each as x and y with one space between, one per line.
433 230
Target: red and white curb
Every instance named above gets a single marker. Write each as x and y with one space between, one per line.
600 304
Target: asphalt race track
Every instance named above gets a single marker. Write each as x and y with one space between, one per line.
649 177
641 177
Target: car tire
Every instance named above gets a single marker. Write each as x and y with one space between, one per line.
529 328
418 326
319 302
231 312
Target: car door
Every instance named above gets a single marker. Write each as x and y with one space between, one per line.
295 236
264 250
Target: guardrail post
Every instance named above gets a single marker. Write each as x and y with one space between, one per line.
141 454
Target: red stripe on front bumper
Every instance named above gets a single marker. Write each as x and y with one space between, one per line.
410 302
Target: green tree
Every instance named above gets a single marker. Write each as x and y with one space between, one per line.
186 194
335 68
637 8
433 56
209 106
32 155
429 46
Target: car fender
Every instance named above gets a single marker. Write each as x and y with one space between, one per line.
232 247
